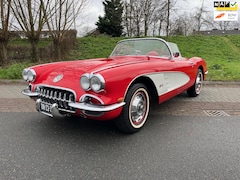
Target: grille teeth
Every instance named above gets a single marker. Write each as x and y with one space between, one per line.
59 96
51 93
55 95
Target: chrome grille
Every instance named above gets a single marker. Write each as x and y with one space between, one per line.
60 96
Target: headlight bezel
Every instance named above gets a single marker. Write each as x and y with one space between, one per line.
25 74
94 82
29 75
85 78
97 83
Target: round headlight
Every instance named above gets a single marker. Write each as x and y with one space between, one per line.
31 74
85 82
97 83
25 74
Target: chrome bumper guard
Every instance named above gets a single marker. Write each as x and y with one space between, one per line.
54 110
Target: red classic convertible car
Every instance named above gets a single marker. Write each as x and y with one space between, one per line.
138 73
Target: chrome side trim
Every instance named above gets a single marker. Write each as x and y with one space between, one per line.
95 108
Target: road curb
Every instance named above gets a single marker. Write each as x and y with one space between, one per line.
12 81
222 83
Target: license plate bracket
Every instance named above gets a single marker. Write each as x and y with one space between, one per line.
45 107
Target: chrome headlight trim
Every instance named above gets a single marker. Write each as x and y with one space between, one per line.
85 82
24 74
97 83
93 82
29 75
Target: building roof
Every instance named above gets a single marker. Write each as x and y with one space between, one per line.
217 32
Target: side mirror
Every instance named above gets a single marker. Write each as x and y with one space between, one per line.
176 54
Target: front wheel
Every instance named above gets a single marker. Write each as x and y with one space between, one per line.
197 87
135 111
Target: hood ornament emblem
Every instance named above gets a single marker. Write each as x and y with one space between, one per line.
58 78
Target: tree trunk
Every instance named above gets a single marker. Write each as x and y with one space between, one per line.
138 26
145 28
160 28
34 51
3 53
57 50
168 18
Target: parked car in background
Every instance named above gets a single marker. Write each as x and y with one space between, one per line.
138 73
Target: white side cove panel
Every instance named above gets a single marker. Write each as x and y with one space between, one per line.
168 81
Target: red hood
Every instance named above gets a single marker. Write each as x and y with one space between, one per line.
97 65
72 70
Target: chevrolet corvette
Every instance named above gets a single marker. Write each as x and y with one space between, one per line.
138 73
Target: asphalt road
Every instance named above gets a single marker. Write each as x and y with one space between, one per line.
33 146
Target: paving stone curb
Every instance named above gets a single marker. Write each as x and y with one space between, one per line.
227 83
216 96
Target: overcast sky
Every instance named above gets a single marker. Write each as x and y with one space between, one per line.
95 9
90 17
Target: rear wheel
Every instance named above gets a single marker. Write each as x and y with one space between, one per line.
197 87
135 111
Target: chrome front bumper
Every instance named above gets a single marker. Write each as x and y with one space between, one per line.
29 93
95 108
86 108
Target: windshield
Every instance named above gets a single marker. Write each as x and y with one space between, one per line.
144 47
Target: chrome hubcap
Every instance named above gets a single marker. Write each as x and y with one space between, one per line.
139 108
199 80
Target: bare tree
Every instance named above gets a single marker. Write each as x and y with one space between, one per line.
140 15
148 9
168 17
5 6
61 16
137 9
224 25
127 18
199 17
31 20
137 15
170 6
182 25
159 17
